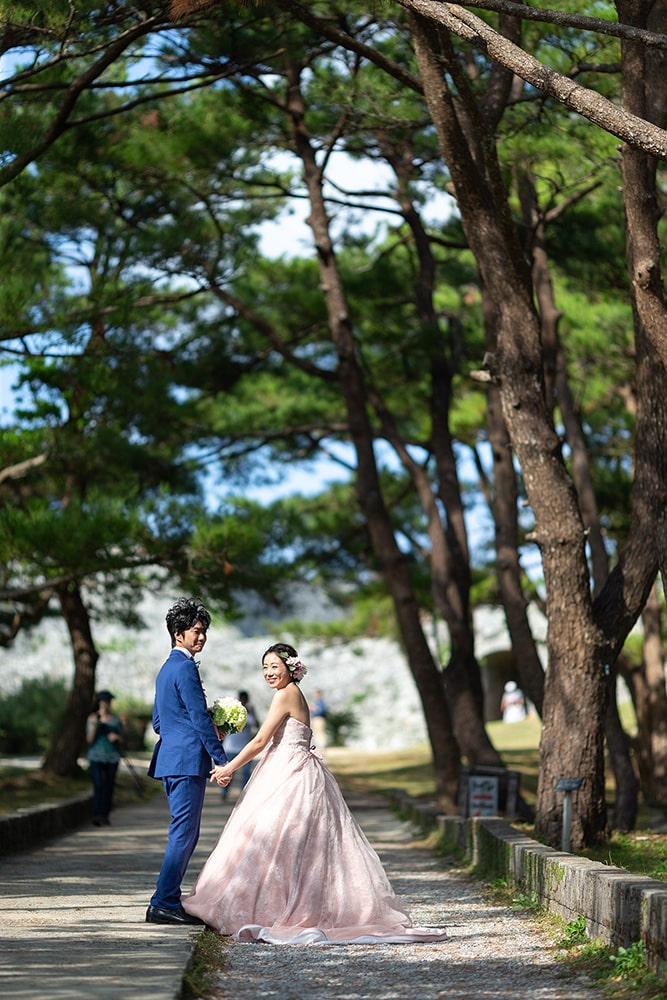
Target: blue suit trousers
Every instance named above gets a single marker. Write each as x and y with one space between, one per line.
185 795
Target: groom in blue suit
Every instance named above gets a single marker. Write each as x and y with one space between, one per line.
187 744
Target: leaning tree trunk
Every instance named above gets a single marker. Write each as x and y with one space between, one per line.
451 585
504 507
644 94
656 698
62 756
450 557
627 783
392 562
558 394
574 697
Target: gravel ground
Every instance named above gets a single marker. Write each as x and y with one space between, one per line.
491 951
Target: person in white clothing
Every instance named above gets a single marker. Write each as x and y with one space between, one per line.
513 703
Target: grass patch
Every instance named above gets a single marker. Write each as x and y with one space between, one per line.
514 898
518 745
641 851
620 973
412 768
209 960
21 788
378 773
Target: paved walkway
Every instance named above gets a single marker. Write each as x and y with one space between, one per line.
73 927
74 913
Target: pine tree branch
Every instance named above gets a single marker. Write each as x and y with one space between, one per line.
635 131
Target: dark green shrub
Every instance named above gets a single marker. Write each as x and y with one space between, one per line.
29 718
341 726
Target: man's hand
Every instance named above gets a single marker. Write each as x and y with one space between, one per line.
221 775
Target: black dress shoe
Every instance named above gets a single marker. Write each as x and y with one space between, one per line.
161 915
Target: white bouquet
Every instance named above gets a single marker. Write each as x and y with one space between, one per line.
228 715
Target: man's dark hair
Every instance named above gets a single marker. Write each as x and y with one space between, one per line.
185 613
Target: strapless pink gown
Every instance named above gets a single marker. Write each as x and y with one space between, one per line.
292 865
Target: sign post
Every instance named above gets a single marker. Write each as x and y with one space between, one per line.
567 786
483 795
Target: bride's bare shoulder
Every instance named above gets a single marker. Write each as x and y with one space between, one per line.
302 712
294 703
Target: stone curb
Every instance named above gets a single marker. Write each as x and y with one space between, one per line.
27 827
620 908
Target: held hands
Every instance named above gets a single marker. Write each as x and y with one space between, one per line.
221 775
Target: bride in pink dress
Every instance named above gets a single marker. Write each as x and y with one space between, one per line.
292 865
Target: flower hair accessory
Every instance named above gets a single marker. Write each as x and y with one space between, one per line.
295 666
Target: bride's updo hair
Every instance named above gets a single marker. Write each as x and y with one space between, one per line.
290 658
283 649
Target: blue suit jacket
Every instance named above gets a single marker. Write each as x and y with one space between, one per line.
188 740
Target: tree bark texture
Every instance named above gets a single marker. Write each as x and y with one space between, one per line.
655 726
639 186
647 685
557 386
65 748
627 783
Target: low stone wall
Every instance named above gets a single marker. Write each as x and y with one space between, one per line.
27 827
618 907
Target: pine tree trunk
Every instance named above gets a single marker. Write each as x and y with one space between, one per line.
618 747
574 696
504 506
67 744
390 559
654 667
647 684
449 552
644 94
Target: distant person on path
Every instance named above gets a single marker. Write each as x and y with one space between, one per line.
183 753
292 866
233 743
318 715
513 703
105 736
